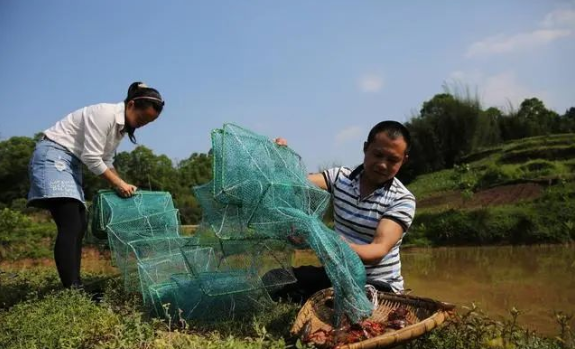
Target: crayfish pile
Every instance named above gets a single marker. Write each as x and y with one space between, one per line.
353 333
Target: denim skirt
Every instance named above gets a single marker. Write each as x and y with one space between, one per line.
54 173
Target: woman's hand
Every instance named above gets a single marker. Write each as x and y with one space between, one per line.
125 190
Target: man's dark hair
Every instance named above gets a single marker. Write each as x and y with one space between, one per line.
393 130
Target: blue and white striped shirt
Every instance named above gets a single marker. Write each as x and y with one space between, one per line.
356 219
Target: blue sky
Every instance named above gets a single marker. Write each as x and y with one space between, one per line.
318 73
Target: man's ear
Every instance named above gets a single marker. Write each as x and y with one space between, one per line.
405 159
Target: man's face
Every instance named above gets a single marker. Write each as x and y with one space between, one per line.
383 158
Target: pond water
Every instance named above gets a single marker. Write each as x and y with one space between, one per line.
537 280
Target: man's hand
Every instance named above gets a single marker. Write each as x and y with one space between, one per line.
296 240
281 141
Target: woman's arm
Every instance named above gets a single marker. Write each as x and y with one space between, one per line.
124 189
96 129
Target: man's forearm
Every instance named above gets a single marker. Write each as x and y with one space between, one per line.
370 254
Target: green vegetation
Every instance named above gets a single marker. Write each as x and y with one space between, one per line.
453 128
501 165
547 218
22 237
463 165
472 329
140 167
69 319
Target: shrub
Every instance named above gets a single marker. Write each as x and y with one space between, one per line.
525 224
472 329
494 175
11 220
538 168
550 153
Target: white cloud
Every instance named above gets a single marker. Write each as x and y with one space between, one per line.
504 44
348 134
502 89
371 83
496 90
560 18
554 26
465 77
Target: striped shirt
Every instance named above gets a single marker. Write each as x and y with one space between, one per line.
356 219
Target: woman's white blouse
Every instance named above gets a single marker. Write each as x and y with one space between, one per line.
92 134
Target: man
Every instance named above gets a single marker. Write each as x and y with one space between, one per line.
372 211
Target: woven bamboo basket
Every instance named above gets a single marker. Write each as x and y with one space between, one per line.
422 313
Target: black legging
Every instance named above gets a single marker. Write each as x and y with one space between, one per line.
70 218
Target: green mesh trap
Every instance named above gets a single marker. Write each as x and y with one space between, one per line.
260 191
259 196
108 207
200 277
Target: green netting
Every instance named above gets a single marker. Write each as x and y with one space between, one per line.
260 190
259 196
121 234
183 297
235 266
154 272
200 277
108 207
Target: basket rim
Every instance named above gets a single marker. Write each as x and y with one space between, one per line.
440 314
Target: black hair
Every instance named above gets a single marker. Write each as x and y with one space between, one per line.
143 97
393 130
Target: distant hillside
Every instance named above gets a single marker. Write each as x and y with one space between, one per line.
519 192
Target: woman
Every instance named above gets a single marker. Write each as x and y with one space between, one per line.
91 136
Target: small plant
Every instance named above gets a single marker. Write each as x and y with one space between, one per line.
474 330
11 220
493 175
565 335
467 194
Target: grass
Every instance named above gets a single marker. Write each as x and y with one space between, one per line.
54 318
24 237
533 158
69 319
36 313
548 219
548 161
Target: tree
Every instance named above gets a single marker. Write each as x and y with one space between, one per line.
487 130
567 121
144 169
537 118
446 129
15 154
193 171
